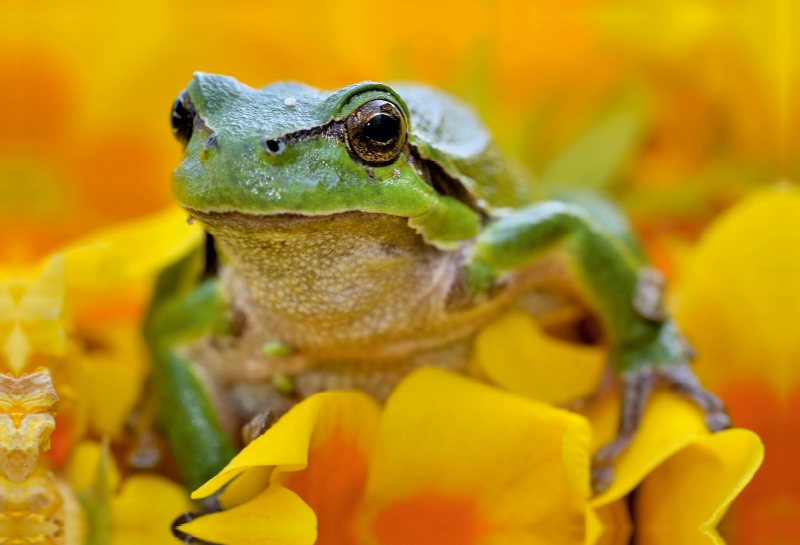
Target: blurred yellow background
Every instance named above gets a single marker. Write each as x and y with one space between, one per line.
697 97
677 108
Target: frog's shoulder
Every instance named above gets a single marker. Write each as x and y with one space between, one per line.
446 131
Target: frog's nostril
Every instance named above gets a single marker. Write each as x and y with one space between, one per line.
274 147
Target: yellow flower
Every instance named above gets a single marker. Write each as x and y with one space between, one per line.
141 510
687 477
31 315
80 316
42 510
448 460
27 406
109 278
739 304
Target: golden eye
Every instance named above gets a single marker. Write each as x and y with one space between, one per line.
376 132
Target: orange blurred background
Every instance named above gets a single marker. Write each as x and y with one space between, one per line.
699 96
679 108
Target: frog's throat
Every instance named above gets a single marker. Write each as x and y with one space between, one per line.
343 282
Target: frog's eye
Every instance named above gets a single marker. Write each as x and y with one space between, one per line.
376 132
183 113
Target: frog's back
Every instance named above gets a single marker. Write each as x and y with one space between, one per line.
448 132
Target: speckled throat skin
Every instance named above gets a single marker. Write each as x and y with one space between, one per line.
360 298
343 286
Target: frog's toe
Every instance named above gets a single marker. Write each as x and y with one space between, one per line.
602 477
682 380
718 421
636 388
258 425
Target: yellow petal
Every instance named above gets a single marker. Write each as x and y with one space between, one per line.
308 425
115 377
513 352
17 349
609 525
670 423
8 306
504 468
246 487
130 251
277 516
736 320
43 299
144 510
683 500
83 464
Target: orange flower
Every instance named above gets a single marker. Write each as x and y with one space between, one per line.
672 451
740 307
448 460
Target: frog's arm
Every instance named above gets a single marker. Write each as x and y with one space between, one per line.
645 346
181 312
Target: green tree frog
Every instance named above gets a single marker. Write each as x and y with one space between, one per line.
364 233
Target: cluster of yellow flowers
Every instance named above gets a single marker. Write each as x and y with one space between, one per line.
71 317
690 100
446 460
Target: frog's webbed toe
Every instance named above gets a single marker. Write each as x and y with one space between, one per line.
636 388
682 380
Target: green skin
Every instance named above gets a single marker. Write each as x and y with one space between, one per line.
483 211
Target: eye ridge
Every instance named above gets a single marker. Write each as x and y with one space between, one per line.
376 132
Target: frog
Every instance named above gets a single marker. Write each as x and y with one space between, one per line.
359 234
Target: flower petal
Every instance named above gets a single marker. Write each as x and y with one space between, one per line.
684 499
670 423
609 524
277 516
115 377
130 251
736 318
511 469
304 428
82 467
144 510
43 299
514 353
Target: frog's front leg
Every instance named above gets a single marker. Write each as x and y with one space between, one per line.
186 413
646 348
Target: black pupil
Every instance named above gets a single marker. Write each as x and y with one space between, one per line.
382 128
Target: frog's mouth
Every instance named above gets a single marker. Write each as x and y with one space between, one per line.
244 219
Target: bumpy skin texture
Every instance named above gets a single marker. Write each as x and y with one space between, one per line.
362 272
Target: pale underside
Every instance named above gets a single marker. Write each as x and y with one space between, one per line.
361 300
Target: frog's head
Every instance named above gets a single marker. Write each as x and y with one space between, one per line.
289 151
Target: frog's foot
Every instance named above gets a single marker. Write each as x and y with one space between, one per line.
209 505
682 380
635 389
182 536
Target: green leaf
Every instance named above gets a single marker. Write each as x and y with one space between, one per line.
596 156
96 502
